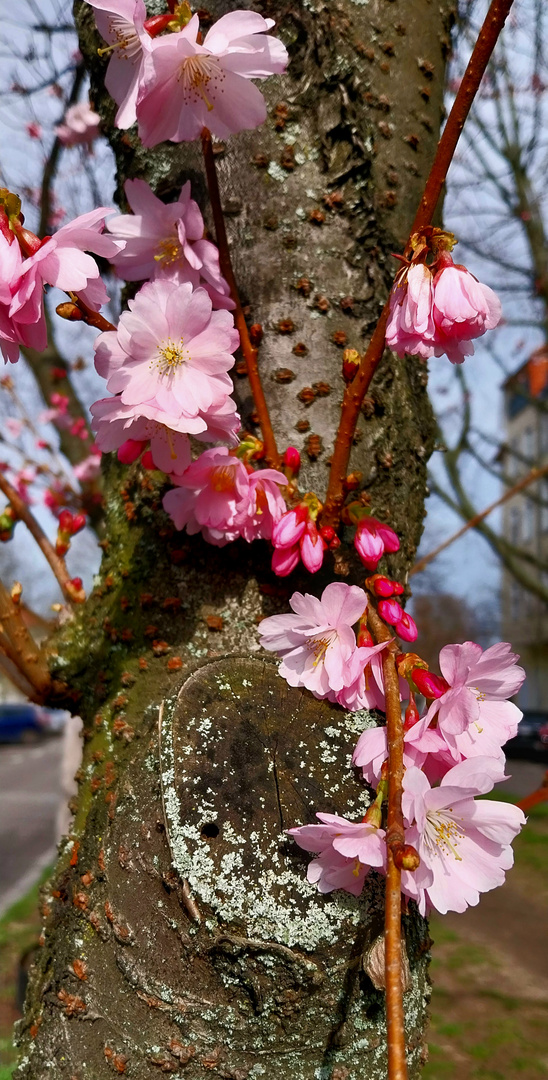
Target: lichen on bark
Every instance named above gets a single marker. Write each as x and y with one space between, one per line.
270 978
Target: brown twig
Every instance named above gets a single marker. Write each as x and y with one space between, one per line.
19 646
395 841
15 675
534 474
89 316
356 390
250 353
46 547
536 797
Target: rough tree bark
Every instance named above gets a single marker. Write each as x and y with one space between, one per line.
180 935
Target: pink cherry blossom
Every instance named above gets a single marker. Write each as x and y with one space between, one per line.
167 240
120 23
266 504
317 642
364 684
346 850
187 86
473 716
11 261
463 844
463 308
172 353
62 260
218 496
372 540
410 327
115 424
81 125
211 496
371 752
89 468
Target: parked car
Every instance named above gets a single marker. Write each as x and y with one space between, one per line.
24 722
531 740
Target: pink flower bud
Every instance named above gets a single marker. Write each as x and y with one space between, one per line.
390 611
292 459
430 685
285 559
312 548
129 451
289 529
406 628
368 543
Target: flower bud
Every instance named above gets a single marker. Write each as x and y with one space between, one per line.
406 857
428 684
129 451
350 364
16 592
327 533
65 522
380 585
75 590
69 311
412 714
390 611
292 459
256 334
147 461
157 23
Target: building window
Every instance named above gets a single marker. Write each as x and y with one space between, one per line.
543 433
515 518
544 507
515 599
528 527
529 445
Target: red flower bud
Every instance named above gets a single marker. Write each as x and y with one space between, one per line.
412 714
428 684
350 365
129 451
147 461
292 459
78 523
157 23
65 522
327 533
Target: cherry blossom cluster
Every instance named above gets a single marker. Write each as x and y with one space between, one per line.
163 76
452 752
438 310
28 264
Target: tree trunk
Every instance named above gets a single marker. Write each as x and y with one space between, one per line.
180 933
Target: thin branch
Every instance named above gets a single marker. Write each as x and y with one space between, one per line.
46 547
24 653
395 841
250 353
535 474
356 390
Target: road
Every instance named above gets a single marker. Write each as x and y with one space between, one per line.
29 797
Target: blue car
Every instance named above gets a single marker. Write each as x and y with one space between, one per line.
26 723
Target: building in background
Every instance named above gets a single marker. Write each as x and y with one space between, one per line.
525 522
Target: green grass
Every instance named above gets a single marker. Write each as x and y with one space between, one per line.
19 930
478 1031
